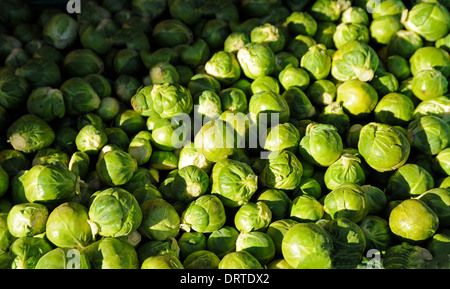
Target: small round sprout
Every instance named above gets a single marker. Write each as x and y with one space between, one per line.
256 60
27 219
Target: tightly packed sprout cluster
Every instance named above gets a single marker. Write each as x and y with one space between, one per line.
225 134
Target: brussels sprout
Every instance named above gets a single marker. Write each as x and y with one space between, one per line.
266 106
394 109
166 261
13 161
438 200
163 160
377 233
347 201
190 242
208 105
383 147
294 77
258 244
404 43
406 256
349 243
410 180
265 83
50 156
429 83
299 45
277 201
358 98
201 259
253 217
25 252
82 62
50 183
377 199
79 163
172 32
233 99
91 139
114 212
222 241
428 134
29 133
301 23
437 106
430 57
256 60
163 72
114 166
190 183
354 60
413 221
79 96
111 253
224 66
398 66
239 260
442 164
284 136
27 219
346 169
117 137
355 14
270 35
46 103
321 144
63 258
282 170
60 31
346 32
321 92
214 32
308 187
235 41
13 90
384 83
277 229
234 182
68 226
307 245
216 140
169 135
306 208
334 114
160 220
438 246
190 156
432 27
205 214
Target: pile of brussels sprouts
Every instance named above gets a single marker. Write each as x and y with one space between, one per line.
225 134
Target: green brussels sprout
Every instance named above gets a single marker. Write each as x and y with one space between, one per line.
115 166
90 139
436 106
5 183
49 183
60 31
300 106
79 96
156 248
190 183
68 226
258 244
429 83
294 77
321 145
265 106
377 199
163 160
46 103
435 25
234 182
349 243
63 258
384 83
284 59
308 246
29 133
334 114
306 208
301 23
300 44
355 14
109 108
239 260
322 92
347 201
347 169
201 259
438 200
377 233
222 241
253 217
410 180
25 252
187 11
265 83
277 229
346 32
270 35
166 261
308 186
114 212
97 37
117 137
438 246
413 221
208 105
406 256
127 61
172 32
324 34
278 202
215 140
27 219
49 156
205 214
398 66
13 161
383 147
282 170
79 163
169 135
193 55
404 43
163 72
189 155
82 62
224 66
317 61
394 109
214 32
235 41
140 147
428 134
130 121
233 99
442 164
160 220
16 186
190 242
430 57
13 90
383 28
111 253
358 98
203 81
284 136
354 60
256 60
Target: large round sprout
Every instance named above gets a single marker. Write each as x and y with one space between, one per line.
160 220
282 171
410 180
205 214
429 134
358 98
347 201
239 260
256 60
